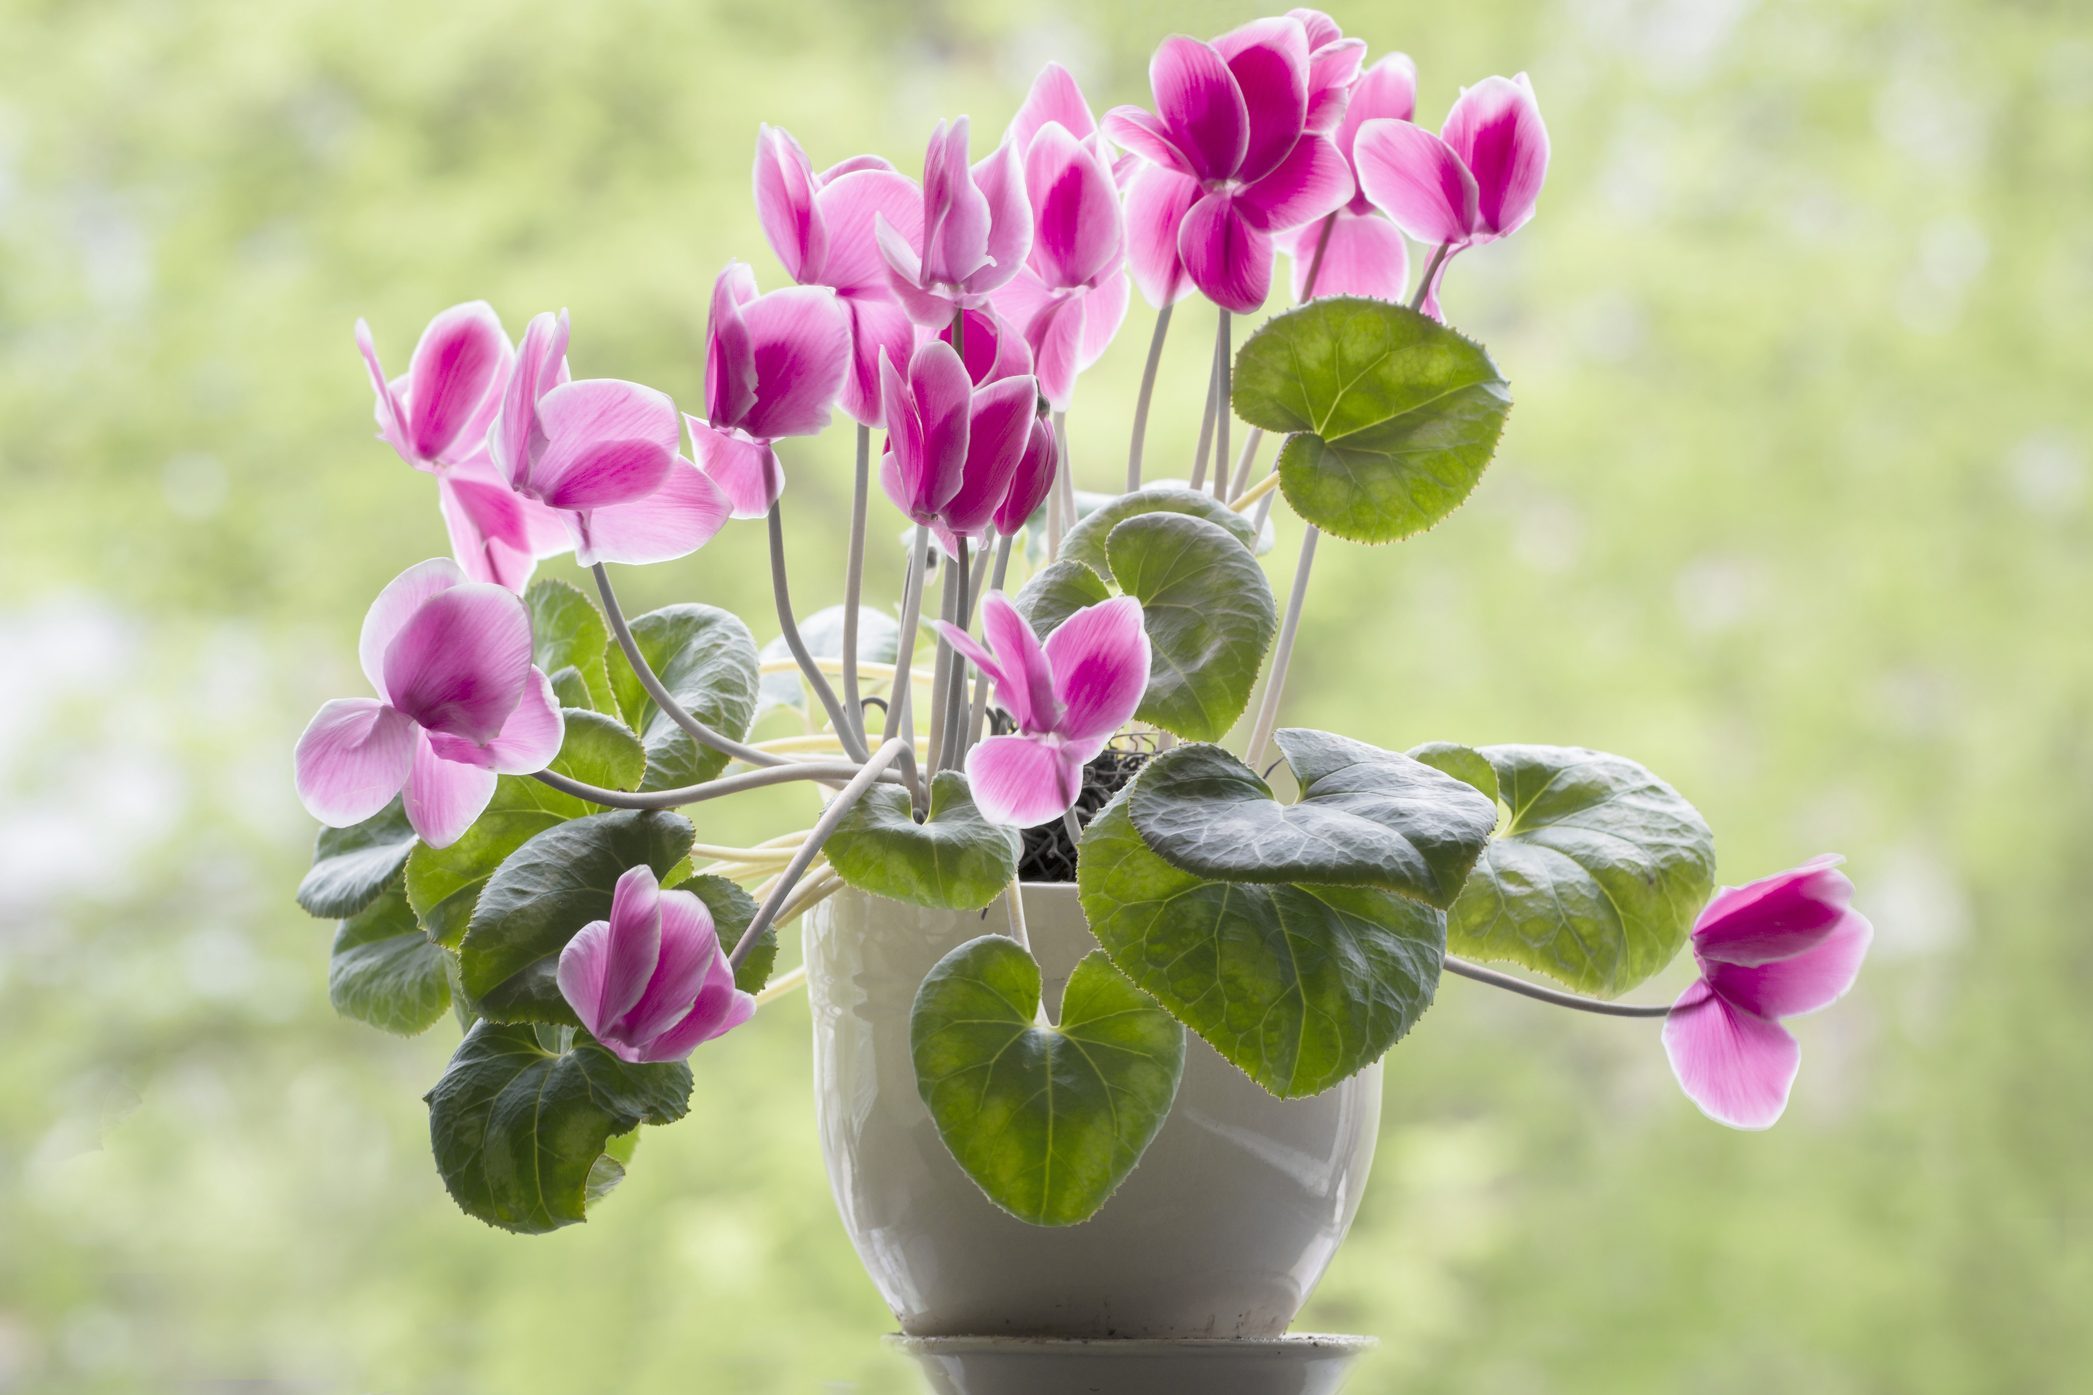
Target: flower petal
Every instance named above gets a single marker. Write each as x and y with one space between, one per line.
1157 201
1313 180
785 203
677 519
1416 178
1100 659
1079 230
395 606
994 349
1269 60
541 365
745 470
1362 254
392 418
444 797
1813 979
1055 98
454 381
635 936
1001 179
689 944
848 206
607 442
1057 341
1104 311
720 1008
1200 105
1021 781
460 662
1496 129
927 428
956 214
876 327
526 743
999 424
480 518
1028 695
1225 255
801 343
1738 1068
730 362
1775 917
1332 70
583 970
1034 477
1146 137
1387 90
352 759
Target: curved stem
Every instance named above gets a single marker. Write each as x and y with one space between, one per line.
1315 262
1148 387
824 770
846 799
956 686
854 582
1223 410
1065 470
1431 269
1553 995
1282 653
1206 428
941 670
846 729
652 685
901 697
1255 492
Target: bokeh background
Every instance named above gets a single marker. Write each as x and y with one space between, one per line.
1794 507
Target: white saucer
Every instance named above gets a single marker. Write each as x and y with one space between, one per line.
1305 1364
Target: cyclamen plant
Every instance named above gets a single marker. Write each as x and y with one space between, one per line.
502 834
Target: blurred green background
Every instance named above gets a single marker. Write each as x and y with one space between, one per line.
1794 507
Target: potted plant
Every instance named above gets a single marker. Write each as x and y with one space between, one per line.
1100 984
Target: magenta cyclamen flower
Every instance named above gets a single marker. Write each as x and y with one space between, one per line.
1776 948
1473 183
773 364
1067 697
990 347
1031 481
952 448
602 454
821 227
1333 63
1230 161
1071 296
976 230
1357 250
460 702
650 983
436 417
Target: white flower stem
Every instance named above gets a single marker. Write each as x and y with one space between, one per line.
817 682
1223 410
1148 387
1553 995
854 582
1282 654
980 710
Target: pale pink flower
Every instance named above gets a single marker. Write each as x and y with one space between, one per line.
651 983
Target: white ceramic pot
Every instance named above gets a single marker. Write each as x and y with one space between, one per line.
1222 1231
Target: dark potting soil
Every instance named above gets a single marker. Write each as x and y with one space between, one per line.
1049 855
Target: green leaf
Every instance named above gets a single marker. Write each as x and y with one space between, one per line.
1393 415
956 859
1056 592
1297 985
732 910
600 751
1209 615
518 1126
878 637
567 631
443 884
1464 763
350 866
1047 1120
543 893
1087 542
1598 874
385 971
1365 817
609 1168
706 658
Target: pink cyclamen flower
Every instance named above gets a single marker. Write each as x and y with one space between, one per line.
976 230
436 415
603 455
1071 296
989 345
1333 64
460 702
952 448
1067 697
1032 479
1474 182
821 227
651 983
1786 945
1229 161
773 364
1357 250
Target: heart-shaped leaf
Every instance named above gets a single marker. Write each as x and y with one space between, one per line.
822 632
1056 592
350 866
384 971
1209 615
1393 415
601 751
569 633
955 859
1298 985
443 884
1089 541
543 894
1598 873
1047 1120
706 658
522 1116
1365 817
